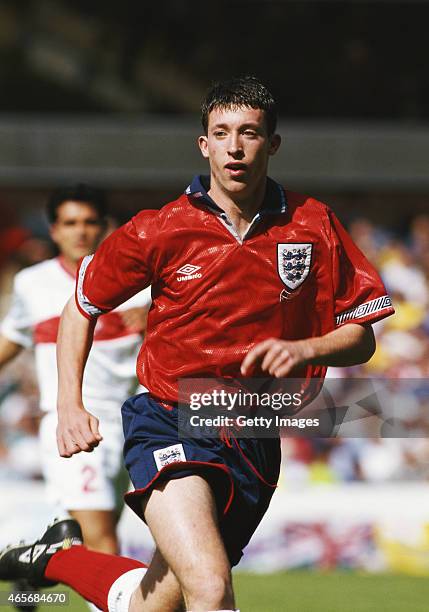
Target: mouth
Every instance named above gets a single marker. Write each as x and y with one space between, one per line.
236 168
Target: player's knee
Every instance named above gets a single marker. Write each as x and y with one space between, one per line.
101 542
98 530
208 589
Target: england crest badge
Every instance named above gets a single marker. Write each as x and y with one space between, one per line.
294 262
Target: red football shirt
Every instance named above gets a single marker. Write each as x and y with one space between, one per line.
296 274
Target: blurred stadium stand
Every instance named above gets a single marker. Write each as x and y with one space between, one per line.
155 151
328 58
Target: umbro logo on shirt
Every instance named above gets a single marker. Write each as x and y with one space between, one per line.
188 272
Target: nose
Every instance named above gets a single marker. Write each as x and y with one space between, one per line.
81 230
235 148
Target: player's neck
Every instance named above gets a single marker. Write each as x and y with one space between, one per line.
241 208
68 264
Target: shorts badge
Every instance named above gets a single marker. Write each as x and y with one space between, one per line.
170 454
293 263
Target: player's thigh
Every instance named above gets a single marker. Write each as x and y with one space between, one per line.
182 517
87 481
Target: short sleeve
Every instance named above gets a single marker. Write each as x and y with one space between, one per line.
359 293
17 325
121 267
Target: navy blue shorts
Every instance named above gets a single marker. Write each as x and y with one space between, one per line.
243 473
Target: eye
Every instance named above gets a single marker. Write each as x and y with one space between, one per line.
219 133
250 133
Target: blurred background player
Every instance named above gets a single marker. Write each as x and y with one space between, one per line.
91 486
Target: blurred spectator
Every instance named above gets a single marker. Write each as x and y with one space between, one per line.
368 238
381 460
419 236
402 275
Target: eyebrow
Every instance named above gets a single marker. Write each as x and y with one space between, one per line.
248 124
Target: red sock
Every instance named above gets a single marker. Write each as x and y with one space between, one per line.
89 573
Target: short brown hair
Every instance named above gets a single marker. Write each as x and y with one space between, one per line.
239 92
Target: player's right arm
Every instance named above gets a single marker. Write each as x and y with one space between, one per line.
8 350
77 429
116 272
16 330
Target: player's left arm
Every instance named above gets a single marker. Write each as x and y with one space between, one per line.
345 346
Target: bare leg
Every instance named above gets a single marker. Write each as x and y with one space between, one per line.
181 515
159 589
98 528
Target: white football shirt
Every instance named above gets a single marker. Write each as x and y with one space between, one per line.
39 295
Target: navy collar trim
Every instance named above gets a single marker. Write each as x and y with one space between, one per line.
275 200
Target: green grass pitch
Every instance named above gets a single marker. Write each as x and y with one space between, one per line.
331 592
310 592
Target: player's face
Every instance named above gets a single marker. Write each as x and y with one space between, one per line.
77 230
238 147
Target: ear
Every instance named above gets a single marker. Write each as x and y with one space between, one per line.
204 147
53 232
275 141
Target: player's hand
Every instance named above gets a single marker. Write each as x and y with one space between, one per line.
77 431
277 357
135 319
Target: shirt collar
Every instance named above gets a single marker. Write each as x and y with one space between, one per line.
275 201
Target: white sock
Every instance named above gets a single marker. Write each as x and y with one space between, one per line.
118 599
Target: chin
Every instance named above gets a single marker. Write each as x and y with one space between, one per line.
236 186
77 256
